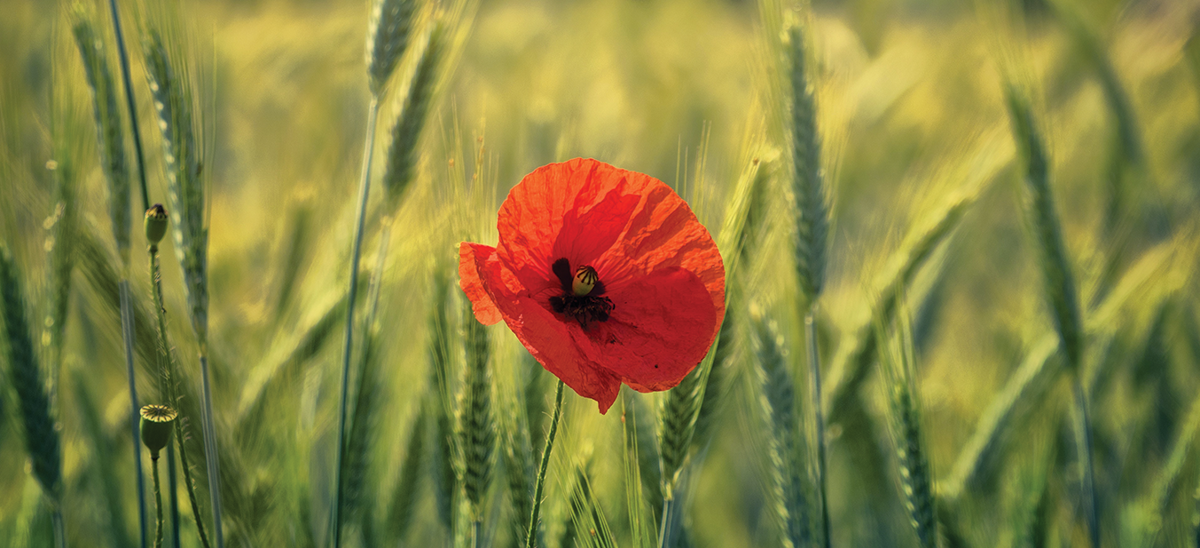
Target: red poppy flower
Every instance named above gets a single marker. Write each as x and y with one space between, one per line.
605 276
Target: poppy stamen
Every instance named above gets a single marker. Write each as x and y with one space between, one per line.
585 279
581 298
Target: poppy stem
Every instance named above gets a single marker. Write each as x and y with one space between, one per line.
364 190
158 518
166 368
814 365
531 534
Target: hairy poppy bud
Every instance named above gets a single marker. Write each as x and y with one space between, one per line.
156 427
156 223
585 280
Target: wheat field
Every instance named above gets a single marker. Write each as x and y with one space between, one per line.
959 242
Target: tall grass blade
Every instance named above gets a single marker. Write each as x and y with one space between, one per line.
131 107
1060 286
364 190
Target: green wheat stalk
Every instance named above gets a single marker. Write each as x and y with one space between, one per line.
40 430
111 141
517 451
167 373
439 404
789 501
1060 289
743 227
911 456
475 428
381 61
171 90
812 229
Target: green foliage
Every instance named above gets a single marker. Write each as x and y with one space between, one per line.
879 128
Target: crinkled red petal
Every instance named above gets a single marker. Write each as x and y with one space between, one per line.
470 256
624 224
658 263
546 336
660 329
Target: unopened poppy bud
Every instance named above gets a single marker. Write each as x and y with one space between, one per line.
585 280
156 223
156 427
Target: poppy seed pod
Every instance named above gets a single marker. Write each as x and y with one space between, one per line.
156 427
156 223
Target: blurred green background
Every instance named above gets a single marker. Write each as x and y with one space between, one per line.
910 97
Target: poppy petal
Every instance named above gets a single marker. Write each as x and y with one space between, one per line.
661 327
472 258
623 223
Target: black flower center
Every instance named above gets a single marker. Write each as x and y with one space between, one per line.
582 294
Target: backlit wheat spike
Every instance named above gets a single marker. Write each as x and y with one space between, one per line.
777 398
1060 284
808 178
476 430
110 134
25 374
387 39
403 151
915 479
1059 288
518 465
172 96
854 358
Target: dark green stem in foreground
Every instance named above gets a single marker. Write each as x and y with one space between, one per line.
211 459
137 142
135 415
669 508
158 513
172 496
531 535
364 190
191 485
1083 442
60 532
169 390
814 366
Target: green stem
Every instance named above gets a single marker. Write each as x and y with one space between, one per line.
169 388
191 485
211 457
364 190
158 513
172 496
665 540
137 134
531 535
60 533
814 366
135 414
1083 441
